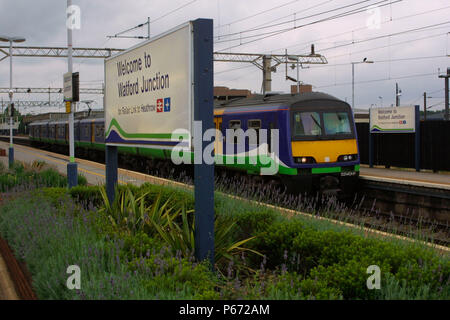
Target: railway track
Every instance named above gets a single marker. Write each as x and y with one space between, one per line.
407 210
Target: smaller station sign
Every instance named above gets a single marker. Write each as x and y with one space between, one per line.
393 120
68 91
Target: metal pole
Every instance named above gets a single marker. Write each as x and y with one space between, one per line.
203 114
111 172
417 138
396 95
72 175
11 146
298 77
267 74
424 106
445 77
371 144
353 85
447 116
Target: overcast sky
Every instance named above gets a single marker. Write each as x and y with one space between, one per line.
410 58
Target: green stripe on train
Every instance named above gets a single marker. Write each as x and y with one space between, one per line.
251 165
326 170
333 169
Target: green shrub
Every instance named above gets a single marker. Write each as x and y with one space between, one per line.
82 181
350 277
87 194
291 286
277 240
51 178
54 195
179 278
139 245
250 219
36 175
394 289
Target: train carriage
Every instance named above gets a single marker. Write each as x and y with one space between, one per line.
316 146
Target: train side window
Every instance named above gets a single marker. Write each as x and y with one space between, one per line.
256 125
235 125
85 130
99 130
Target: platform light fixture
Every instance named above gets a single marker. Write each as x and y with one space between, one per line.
353 78
11 146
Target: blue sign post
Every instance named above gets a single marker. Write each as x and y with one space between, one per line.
417 139
111 160
204 112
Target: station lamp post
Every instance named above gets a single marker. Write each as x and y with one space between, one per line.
72 167
11 146
446 77
353 78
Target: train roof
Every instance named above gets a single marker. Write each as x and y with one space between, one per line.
89 120
57 122
41 122
38 123
275 99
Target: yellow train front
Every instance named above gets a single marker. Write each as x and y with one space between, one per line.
317 143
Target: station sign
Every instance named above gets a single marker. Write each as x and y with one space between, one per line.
393 120
149 91
71 86
68 91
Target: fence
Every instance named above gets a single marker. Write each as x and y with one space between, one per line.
397 149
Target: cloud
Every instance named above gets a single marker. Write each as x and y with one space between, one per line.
43 24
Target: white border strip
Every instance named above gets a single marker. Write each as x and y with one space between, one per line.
405 182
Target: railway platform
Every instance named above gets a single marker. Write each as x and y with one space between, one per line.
94 172
406 177
7 289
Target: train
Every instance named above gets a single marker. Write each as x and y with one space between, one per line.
317 140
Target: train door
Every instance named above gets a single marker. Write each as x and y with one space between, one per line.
218 144
93 131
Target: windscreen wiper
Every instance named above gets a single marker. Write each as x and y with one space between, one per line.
318 124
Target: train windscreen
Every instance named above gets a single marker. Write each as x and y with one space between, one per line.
336 123
321 124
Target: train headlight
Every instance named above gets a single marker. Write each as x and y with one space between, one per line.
304 160
347 157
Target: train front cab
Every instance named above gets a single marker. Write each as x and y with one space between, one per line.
324 147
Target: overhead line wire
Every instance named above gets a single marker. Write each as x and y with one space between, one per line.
307 43
274 33
297 19
389 45
384 36
257 14
379 80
